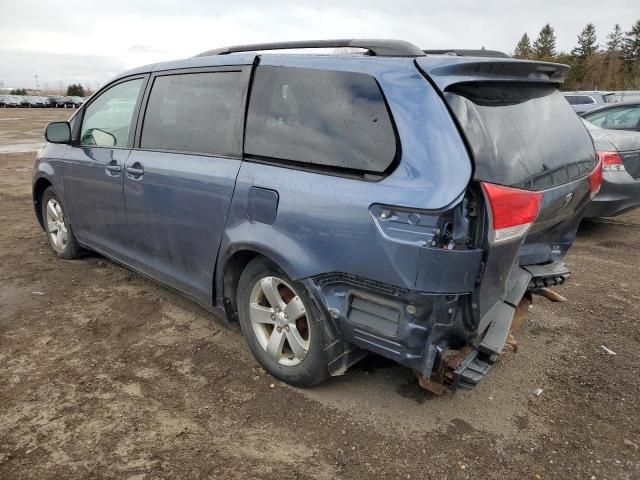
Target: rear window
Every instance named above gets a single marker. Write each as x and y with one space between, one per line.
524 136
319 118
193 113
579 99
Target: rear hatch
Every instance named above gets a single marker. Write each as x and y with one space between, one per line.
522 134
534 164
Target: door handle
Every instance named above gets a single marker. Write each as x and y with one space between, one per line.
113 168
135 170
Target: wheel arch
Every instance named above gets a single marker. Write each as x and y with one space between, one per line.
39 187
231 266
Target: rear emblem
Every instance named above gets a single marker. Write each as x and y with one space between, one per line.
567 200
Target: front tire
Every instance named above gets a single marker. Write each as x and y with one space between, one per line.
284 333
57 227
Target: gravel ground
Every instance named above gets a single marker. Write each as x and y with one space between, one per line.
104 374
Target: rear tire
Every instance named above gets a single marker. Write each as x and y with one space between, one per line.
57 226
283 331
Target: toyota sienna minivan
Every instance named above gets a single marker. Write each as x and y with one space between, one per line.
382 200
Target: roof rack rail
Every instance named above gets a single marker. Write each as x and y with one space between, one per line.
468 53
377 47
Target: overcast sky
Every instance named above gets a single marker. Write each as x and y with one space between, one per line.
65 41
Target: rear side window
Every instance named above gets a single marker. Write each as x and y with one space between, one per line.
524 136
193 113
579 99
320 118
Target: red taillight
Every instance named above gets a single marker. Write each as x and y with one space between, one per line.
513 211
611 161
595 177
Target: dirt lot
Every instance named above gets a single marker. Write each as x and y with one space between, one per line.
104 374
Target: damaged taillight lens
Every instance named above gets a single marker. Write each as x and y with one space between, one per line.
595 177
611 161
513 211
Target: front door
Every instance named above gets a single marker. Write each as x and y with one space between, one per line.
94 168
179 181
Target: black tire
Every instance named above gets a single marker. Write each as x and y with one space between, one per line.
313 368
69 248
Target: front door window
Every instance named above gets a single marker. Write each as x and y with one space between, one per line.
107 119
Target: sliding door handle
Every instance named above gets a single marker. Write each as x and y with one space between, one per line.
135 170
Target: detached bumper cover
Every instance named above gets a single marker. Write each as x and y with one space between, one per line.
466 367
431 333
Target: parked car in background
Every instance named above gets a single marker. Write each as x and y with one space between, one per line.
60 101
77 101
619 152
9 101
33 101
73 102
585 101
351 214
618 116
49 102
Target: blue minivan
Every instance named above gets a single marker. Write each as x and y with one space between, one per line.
378 199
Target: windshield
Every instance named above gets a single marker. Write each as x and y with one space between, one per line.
524 136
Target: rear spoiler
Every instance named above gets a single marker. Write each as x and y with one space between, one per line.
458 52
447 70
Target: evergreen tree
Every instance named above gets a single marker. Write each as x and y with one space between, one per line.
587 45
545 45
615 39
523 48
631 44
74 90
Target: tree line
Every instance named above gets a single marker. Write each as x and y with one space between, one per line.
73 90
614 65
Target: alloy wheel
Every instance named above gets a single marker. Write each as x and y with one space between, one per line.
56 226
279 321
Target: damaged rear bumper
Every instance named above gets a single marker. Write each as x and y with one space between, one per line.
466 367
434 334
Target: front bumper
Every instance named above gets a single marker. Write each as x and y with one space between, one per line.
619 193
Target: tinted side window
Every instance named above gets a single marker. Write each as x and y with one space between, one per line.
193 113
579 99
324 118
107 119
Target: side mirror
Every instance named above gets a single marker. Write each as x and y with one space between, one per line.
58 132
